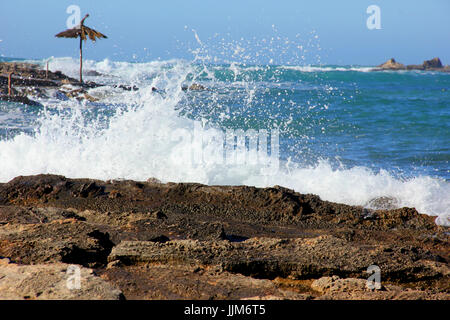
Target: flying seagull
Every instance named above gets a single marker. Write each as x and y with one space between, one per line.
82 32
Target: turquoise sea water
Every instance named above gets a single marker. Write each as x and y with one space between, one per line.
398 121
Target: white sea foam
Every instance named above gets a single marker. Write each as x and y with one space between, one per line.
327 68
150 139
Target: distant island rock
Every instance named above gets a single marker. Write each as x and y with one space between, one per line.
434 64
391 64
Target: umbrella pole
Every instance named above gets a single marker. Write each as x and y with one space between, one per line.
81 60
9 84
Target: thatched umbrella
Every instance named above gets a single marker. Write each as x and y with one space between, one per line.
82 32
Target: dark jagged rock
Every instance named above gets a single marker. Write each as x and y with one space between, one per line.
31 71
434 64
128 88
20 99
29 79
194 87
28 82
92 73
191 241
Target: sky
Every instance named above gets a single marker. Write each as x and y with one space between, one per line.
283 31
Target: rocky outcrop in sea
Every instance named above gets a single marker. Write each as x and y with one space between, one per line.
434 64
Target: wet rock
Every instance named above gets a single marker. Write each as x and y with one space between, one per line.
128 88
92 73
194 87
153 181
31 80
383 203
4 90
20 99
20 81
34 92
276 205
31 71
80 94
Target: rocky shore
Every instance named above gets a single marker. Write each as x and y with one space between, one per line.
434 64
153 240
29 82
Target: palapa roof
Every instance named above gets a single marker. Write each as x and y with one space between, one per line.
81 31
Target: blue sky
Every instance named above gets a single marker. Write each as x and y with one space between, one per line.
332 32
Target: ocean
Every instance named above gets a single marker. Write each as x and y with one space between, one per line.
344 133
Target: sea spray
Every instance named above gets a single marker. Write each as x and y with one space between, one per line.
142 134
